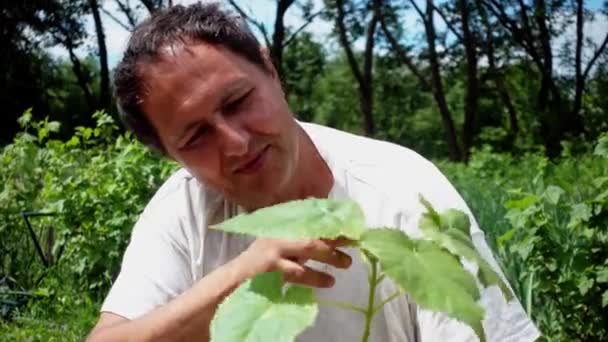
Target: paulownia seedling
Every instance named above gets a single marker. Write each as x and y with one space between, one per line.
429 270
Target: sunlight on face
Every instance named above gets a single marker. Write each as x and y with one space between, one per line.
224 119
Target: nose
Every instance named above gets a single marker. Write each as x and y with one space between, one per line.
234 138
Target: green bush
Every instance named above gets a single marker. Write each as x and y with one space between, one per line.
97 183
548 223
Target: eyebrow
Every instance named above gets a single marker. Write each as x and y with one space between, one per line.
232 88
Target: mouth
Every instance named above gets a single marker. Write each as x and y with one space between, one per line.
255 163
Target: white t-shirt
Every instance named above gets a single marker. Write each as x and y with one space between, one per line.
171 247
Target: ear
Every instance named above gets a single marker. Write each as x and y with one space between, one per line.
268 63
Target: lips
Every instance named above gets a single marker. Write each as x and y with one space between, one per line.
253 164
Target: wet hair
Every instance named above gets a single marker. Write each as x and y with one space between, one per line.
177 25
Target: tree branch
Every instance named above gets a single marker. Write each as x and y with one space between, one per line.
516 33
259 25
596 55
420 13
402 54
128 12
346 44
448 23
309 20
116 20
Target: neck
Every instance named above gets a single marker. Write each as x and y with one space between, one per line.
312 177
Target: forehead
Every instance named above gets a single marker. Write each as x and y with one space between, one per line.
193 61
187 82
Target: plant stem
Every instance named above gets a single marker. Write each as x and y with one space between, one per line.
369 314
388 299
342 305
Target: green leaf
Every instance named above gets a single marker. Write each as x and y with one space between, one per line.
258 310
53 126
25 118
433 277
602 275
605 299
553 194
453 234
579 213
601 149
311 218
42 292
453 219
523 203
584 285
431 214
600 182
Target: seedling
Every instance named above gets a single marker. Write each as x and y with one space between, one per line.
429 270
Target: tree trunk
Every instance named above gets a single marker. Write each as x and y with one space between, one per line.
438 92
580 82
472 88
364 77
497 76
81 78
104 85
367 96
554 115
278 36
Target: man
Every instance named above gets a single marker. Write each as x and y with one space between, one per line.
195 85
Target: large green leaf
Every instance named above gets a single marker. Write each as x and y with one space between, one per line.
311 218
433 277
259 310
451 230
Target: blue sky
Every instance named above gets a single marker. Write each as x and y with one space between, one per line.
263 10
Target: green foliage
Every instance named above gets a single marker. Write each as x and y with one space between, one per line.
259 310
601 149
431 275
430 271
97 183
451 231
313 218
547 222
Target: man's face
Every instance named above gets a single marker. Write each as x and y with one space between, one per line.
224 119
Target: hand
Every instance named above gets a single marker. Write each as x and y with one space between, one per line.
289 256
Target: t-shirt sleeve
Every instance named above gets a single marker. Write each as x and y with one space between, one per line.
155 267
505 322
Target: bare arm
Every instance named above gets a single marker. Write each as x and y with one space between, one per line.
187 317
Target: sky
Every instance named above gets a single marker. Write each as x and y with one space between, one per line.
263 10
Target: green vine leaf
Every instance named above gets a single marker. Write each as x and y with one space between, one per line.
259 310
433 277
310 218
451 230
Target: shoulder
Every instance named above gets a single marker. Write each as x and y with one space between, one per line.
388 167
181 192
384 176
176 211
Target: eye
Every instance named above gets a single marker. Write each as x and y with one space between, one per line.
196 137
232 106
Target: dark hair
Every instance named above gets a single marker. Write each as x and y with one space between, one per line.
207 23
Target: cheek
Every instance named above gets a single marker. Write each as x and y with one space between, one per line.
203 163
268 114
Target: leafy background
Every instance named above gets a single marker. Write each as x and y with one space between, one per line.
545 219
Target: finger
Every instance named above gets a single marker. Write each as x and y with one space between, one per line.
310 277
317 250
339 242
290 269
